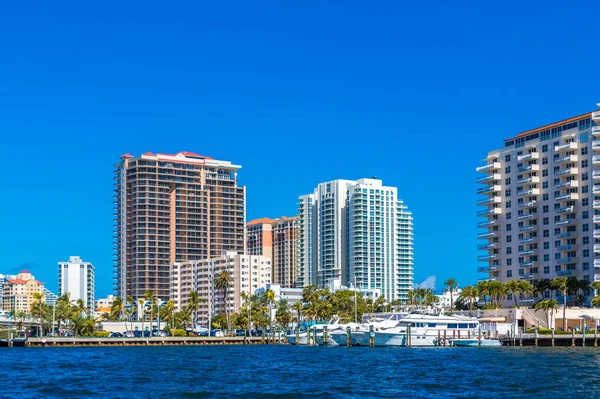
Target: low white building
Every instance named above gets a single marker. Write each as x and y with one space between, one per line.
248 273
372 293
445 298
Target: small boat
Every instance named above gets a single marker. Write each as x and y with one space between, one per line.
476 342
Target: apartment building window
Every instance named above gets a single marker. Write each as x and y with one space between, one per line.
507 158
507 192
586 240
545 184
546 233
507 170
585 215
584 150
556 181
509 227
509 250
586 253
507 181
545 197
546 257
545 221
585 266
584 163
557 268
545 173
508 204
508 262
556 143
584 176
508 238
584 189
545 209
585 202
509 273
546 269
546 245
545 148
585 227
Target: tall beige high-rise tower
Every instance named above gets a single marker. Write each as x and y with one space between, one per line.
172 208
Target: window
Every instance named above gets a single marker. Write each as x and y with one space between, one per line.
546 233
508 262
507 158
557 268
584 150
545 162
584 176
545 148
507 170
508 250
507 192
585 202
508 215
545 209
546 221
546 258
545 173
545 197
586 253
546 245
508 238
507 181
584 189
586 240
546 269
585 266
509 273
584 163
508 204
545 184
585 215
509 227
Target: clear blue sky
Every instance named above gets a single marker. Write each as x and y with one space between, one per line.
414 93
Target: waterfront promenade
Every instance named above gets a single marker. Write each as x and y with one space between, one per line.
154 341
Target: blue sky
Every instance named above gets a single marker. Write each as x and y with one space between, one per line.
414 93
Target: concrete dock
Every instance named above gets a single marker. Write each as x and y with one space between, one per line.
154 341
549 340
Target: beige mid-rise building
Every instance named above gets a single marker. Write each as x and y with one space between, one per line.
18 292
248 274
172 208
540 200
275 238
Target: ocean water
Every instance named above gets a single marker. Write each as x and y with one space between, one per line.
280 371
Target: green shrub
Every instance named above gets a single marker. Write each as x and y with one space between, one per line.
191 334
102 334
178 332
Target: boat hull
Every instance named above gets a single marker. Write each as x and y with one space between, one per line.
476 343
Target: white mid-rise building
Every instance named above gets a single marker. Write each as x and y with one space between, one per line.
540 200
77 278
358 232
248 273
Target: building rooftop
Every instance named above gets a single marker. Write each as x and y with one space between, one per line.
261 221
551 125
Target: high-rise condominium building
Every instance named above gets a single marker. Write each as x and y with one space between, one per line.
356 232
248 274
541 203
172 208
275 238
17 292
77 278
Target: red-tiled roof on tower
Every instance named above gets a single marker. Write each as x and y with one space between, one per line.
260 221
126 156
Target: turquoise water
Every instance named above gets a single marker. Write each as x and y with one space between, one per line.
291 372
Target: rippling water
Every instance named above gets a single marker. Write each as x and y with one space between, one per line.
289 371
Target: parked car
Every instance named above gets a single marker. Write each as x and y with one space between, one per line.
115 335
129 334
217 333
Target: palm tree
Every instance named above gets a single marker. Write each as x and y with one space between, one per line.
412 297
130 310
484 289
469 294
116 310
297 306
451 285
193 305
513 287
63 308
268 297
149 297
525 288
549 307
560 284
141 302
222 282
541 286
37 308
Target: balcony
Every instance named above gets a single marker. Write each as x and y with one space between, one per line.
568 209
489 223
532 179
533 168
597 248
526 264
525 253
567 184
596 116
486 235
488 167
567 234
489 201
568 247
526 276
492 177
596 131
526 240
528 228
596 159
566 172
596 278
596 145
485 269
526 157
597 263
490 212
487 246
527 204
595 174
566 147
596 189
564 273
486 258
563 222
531 191
525 217
596 233
568 197
489 189
596 218
568 158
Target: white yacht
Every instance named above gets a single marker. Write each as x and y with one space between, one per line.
360 336
425 330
